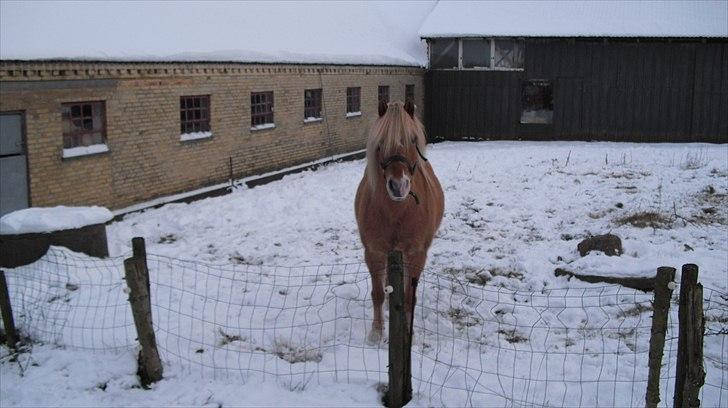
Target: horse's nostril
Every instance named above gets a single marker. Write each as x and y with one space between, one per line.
392 185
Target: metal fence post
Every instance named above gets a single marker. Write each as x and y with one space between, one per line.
661 307
137 279
690 375
11 335
399 391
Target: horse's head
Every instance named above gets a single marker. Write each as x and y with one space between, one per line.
395 149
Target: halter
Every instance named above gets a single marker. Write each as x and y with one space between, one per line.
399 158
410 166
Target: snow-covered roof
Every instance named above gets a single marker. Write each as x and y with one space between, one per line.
611 18
49 219
356 32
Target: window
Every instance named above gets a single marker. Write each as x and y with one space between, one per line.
537 102
383 94
353 100
261 110
194 114
508 54
444 53
409 93
84 124
476 53
311 104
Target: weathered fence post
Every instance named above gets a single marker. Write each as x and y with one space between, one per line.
399 391
661 308
139 251
11 335
690 373
137 279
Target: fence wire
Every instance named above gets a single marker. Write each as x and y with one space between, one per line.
475 343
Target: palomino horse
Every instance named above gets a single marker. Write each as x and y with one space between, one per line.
399 203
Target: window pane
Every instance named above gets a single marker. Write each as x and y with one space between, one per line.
444 53
476 53
384 93
508 54
537 102
409 93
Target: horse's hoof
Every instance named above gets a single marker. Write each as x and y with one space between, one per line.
374 337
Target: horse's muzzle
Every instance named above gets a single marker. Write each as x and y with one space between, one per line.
398 189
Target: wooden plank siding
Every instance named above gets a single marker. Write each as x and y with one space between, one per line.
617 90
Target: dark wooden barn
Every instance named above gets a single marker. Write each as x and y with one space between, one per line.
541 86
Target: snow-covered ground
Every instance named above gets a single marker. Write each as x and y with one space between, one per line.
256 307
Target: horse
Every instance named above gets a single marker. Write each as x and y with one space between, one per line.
399 203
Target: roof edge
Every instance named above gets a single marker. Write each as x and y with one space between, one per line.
192 62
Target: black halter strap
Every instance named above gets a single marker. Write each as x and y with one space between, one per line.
399 158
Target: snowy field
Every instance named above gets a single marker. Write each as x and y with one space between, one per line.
494 325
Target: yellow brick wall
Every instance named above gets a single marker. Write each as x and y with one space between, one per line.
147 158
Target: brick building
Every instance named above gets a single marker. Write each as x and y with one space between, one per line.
88 127
115 134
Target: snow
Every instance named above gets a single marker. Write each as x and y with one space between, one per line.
263 126
612 18
353 114
194 136
238 184
311 119
515 211
85 150
49 219
357 32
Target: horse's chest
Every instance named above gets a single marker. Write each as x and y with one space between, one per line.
401 230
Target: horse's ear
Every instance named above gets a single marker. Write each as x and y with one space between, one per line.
382 108
409 107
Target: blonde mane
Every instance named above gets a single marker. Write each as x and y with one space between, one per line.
394 133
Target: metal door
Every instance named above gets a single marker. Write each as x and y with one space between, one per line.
13 164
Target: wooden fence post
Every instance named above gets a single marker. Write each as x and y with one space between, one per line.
139 251
690 373
11 335
137 279
399 391
661 307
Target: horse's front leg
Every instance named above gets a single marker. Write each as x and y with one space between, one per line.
376 263
414 264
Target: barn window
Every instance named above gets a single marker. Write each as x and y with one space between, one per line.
537 102
508 54
409 93
84 124
383 94
444 53
312 105
194 113
476 53
261 110
353 101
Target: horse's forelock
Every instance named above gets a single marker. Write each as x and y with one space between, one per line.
392 131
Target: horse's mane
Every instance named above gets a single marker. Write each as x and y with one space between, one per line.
390 133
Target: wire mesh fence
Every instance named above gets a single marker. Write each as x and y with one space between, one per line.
474 343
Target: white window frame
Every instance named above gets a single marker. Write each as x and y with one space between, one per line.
492 66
